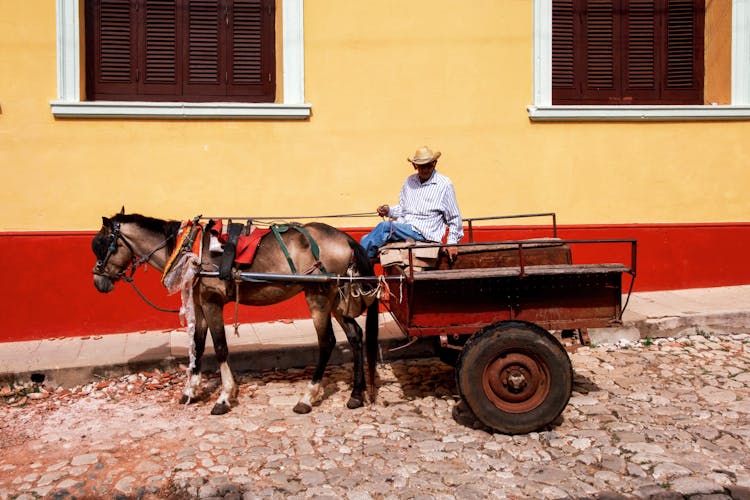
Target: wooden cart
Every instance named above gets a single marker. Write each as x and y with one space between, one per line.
502 312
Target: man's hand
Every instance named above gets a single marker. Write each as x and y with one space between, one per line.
452 253
383 210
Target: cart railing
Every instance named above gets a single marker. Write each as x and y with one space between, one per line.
470 221
520 244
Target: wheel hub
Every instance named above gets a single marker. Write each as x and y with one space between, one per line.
516 382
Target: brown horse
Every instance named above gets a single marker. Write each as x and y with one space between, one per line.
126 241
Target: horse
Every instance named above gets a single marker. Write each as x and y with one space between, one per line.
126 241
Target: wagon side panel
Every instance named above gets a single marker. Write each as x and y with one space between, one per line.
553 301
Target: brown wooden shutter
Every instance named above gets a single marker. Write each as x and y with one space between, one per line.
251 57
683 66
111 49
563 41
204 67
628 52
160 48
641 56
600 51
175 50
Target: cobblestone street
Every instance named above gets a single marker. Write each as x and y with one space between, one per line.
668 418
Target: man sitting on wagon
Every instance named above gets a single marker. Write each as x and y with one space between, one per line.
427 205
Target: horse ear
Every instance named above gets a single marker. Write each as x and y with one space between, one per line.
122 210
106 222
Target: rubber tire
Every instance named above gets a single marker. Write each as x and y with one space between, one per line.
518 338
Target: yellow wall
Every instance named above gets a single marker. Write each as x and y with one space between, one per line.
383 78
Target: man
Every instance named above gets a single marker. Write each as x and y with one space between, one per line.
427 205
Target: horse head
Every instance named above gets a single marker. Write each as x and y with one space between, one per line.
127 241
113 255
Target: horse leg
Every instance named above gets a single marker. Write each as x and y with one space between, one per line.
193 385
229 389
320 308
354 336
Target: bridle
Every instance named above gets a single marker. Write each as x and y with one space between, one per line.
128 271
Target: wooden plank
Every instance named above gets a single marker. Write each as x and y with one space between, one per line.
497 272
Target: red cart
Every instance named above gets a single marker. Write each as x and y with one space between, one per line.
503 312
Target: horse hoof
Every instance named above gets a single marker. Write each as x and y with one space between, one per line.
220 409
354 403
302 408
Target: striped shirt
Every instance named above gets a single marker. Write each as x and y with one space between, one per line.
429 207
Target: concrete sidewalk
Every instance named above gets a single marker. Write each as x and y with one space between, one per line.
280 344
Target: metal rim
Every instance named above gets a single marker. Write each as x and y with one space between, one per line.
516 381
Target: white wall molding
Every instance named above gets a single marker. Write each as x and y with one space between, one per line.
638 113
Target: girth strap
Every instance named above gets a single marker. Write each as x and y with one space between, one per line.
277 229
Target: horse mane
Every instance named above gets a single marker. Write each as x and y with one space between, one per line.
166 228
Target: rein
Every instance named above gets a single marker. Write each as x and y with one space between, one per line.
128 279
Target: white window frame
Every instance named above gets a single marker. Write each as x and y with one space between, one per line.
70 105
543 110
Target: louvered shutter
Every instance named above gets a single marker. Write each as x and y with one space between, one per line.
159 50
251 55
175 50
628 52
204 60
642 60
111 51
683 47
564 35
601 51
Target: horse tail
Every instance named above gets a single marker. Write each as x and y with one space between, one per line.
364 267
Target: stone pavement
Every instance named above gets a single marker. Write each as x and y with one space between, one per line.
71 361
654 419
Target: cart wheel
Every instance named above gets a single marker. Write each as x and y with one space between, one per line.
515 376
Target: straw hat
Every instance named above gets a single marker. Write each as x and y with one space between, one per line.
424 155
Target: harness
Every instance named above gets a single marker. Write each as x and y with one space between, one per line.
277 229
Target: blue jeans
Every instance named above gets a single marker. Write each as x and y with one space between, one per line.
388 231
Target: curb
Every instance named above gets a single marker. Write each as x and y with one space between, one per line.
255 358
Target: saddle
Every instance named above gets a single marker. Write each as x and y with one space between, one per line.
239 244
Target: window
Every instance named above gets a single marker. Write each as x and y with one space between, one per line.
732 33
70 102
627 52
180 50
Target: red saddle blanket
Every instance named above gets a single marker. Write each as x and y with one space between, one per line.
246 245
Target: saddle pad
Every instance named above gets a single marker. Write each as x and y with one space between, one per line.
248 245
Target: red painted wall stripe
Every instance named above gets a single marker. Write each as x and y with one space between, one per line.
48 288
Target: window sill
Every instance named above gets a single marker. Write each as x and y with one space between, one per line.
637 113
180 110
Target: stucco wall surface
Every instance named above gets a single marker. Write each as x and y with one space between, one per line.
383 78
